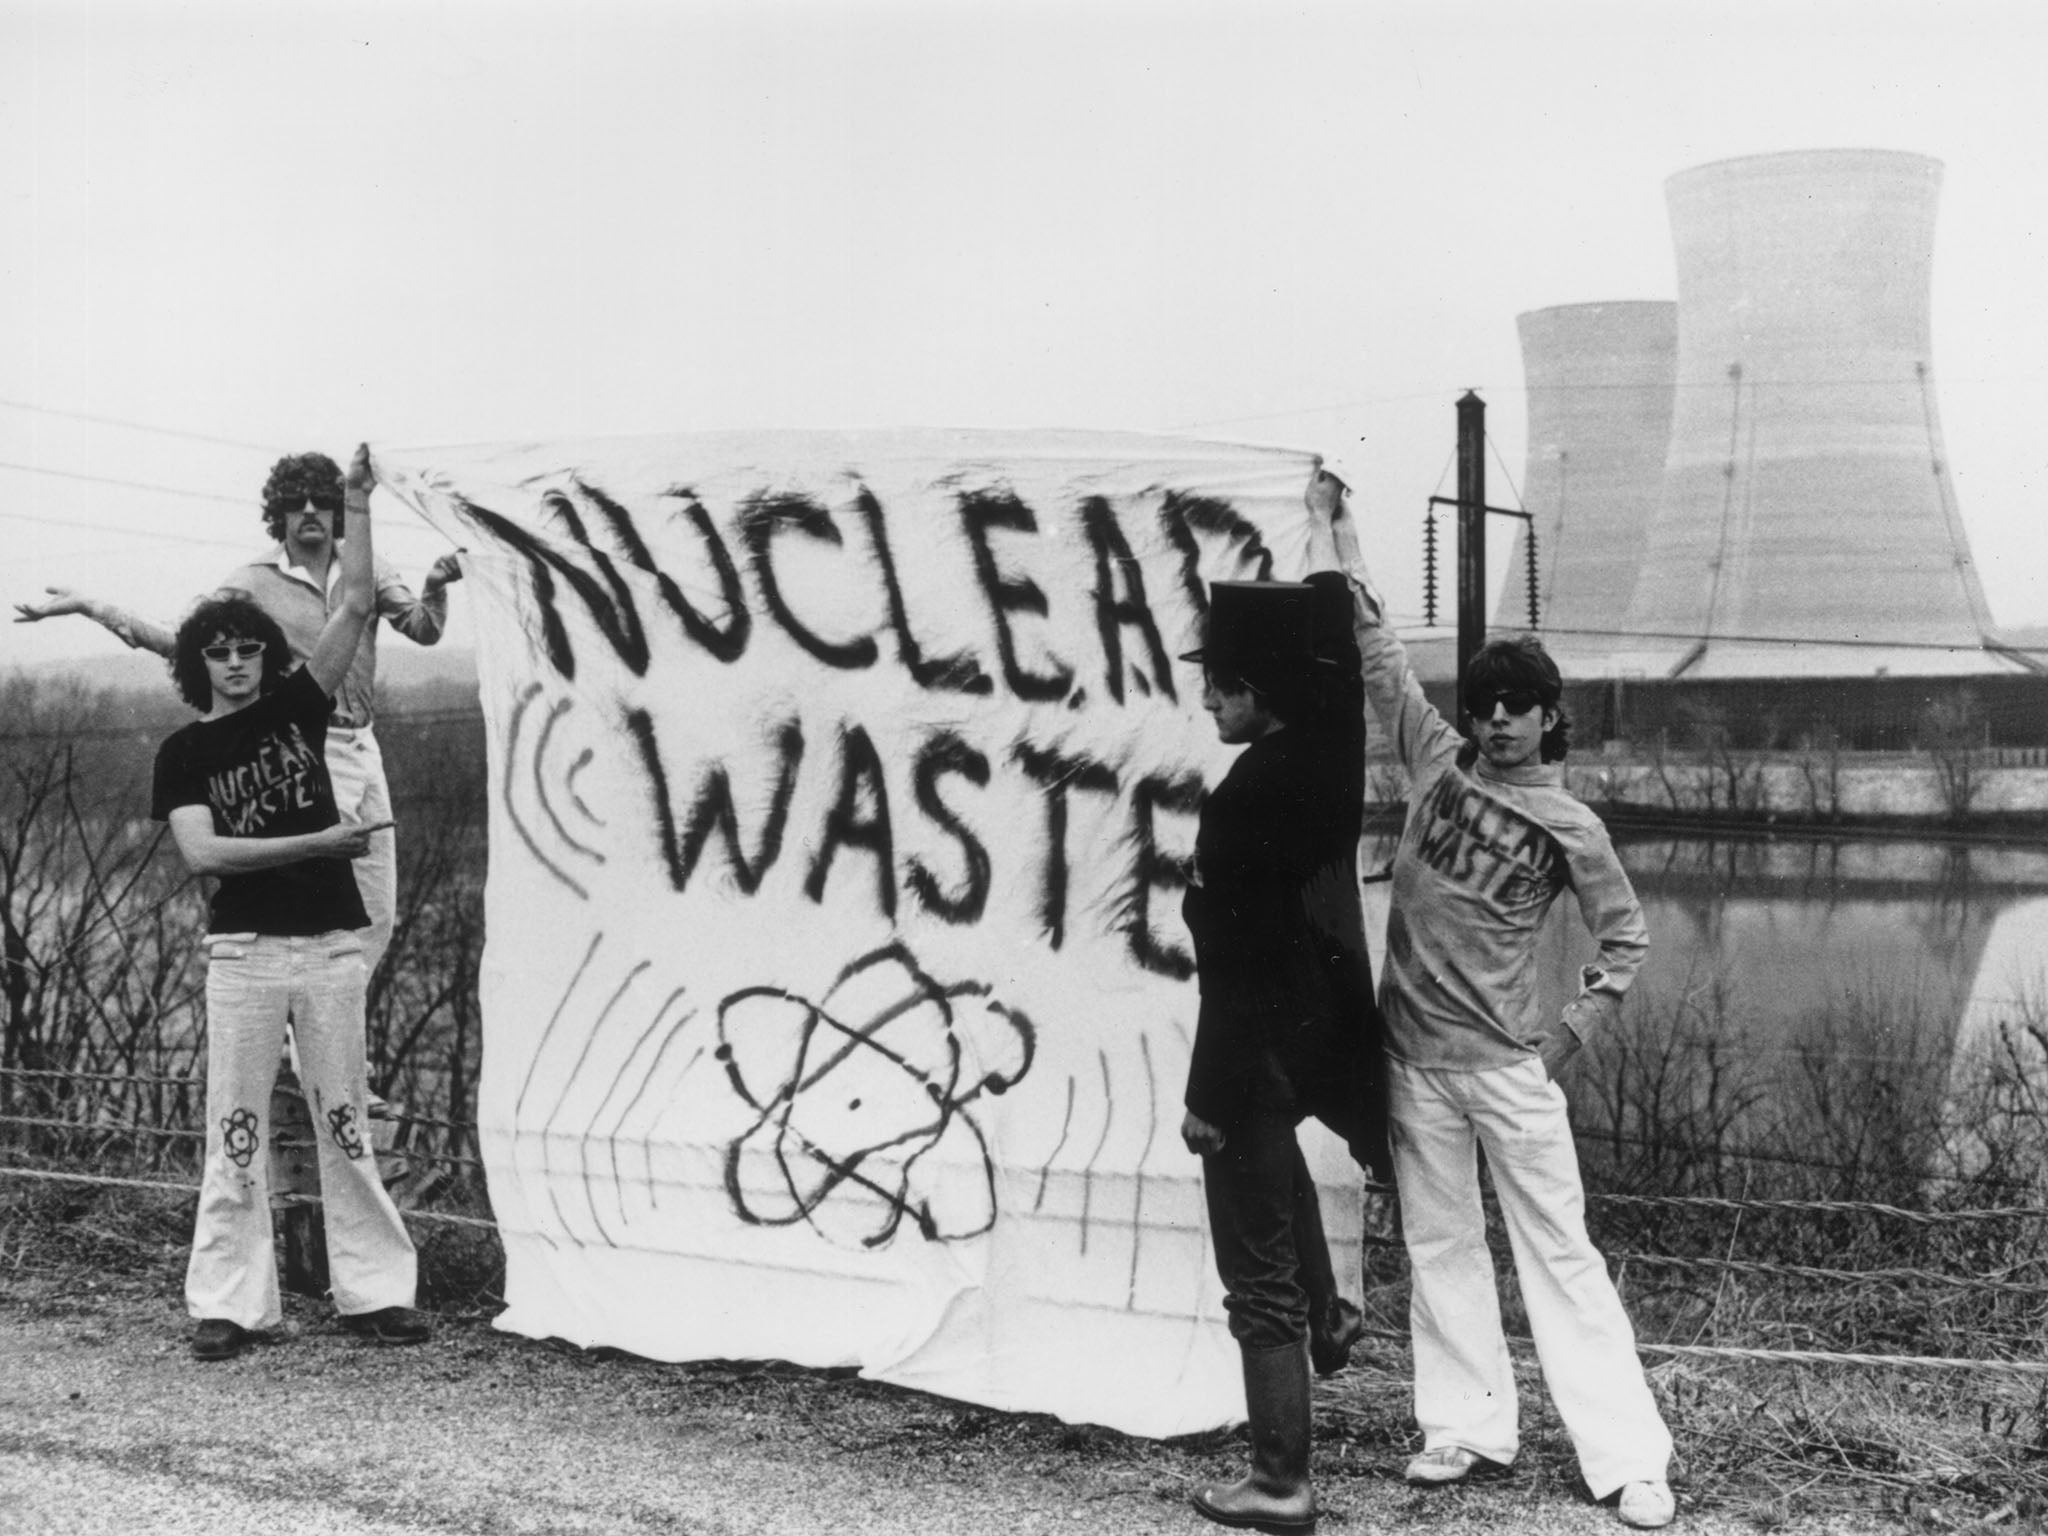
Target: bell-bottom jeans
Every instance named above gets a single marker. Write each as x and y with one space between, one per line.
1464 1381
253 983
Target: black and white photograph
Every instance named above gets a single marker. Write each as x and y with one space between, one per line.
927 766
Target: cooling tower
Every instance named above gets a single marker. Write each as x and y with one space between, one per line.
1805 492
1599 380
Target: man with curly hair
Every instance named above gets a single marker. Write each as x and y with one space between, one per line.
249 800
1492 839
297 582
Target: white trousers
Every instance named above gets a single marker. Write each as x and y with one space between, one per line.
252 983
356 766
1464 1381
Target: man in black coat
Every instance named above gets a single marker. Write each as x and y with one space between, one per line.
1288 1027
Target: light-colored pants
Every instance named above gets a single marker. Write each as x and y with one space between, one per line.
252 982
1464 1381
356 766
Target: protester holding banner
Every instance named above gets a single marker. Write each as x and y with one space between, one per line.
297 583
1286 1026
1492 839
250 801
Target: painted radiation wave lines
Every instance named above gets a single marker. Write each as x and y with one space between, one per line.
583 760
856 1095
657 1089
1088 1169
1151 1102
507 796
540 1051
598 1028
541 785
620 1078
1045 1169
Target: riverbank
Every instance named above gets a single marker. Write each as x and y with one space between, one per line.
1987 794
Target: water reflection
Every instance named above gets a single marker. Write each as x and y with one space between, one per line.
1785 924
1801 969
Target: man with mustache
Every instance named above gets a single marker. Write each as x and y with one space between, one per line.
298 583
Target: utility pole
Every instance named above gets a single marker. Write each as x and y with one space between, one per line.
1471 534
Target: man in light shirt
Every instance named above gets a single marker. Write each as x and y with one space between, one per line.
298 584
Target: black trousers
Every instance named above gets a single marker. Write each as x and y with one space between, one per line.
1267 1229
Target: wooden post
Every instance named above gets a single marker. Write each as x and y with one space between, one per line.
295 1188
1471 535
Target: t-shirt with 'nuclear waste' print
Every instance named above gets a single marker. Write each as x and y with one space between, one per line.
262 772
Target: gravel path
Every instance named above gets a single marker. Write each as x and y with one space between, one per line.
107 1427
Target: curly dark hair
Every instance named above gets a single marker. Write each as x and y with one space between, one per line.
296 479
1509 666
225 618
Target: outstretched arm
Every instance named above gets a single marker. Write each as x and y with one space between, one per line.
129 628
420 619
336 647
1420 735
207 852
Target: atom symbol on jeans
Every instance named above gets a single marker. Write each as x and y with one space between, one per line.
347 1135
864 1101
238 1137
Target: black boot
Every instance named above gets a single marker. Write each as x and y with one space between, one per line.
1276 1496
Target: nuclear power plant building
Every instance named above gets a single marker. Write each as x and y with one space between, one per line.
1746 492
1599 380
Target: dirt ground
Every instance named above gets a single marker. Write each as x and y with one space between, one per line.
108 1426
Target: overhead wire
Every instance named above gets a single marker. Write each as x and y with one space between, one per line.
136 426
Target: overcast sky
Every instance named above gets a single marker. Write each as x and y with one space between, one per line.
231 231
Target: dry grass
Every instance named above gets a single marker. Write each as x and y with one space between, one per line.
1768 1445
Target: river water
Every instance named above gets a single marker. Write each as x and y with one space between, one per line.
1806 962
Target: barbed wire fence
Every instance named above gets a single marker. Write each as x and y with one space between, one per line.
440 1191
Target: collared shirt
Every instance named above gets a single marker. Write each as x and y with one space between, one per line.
289 595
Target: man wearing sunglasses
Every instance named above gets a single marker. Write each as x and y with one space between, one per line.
298 584
250 802
1492 839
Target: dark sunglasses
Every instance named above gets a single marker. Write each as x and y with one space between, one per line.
238 650
1518 700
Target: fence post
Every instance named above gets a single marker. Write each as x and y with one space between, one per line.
295 1187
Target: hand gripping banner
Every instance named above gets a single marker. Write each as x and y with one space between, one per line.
837 1005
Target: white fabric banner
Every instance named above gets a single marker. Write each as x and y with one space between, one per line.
837 1005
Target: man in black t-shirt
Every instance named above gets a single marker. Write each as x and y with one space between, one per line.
247 794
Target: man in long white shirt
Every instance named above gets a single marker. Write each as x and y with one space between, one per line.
1492 839
298 584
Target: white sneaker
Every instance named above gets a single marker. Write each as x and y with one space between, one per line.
1445 1464
1647 1506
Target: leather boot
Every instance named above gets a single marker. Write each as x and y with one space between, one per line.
1277 1496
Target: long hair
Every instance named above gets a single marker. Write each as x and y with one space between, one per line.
297 479
225 618
1508 666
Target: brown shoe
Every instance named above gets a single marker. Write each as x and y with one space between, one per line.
389 1325
218 1339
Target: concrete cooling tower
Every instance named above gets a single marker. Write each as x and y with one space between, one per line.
1599 379
1805 489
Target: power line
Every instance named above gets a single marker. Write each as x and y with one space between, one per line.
133 485
136 426
133 533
